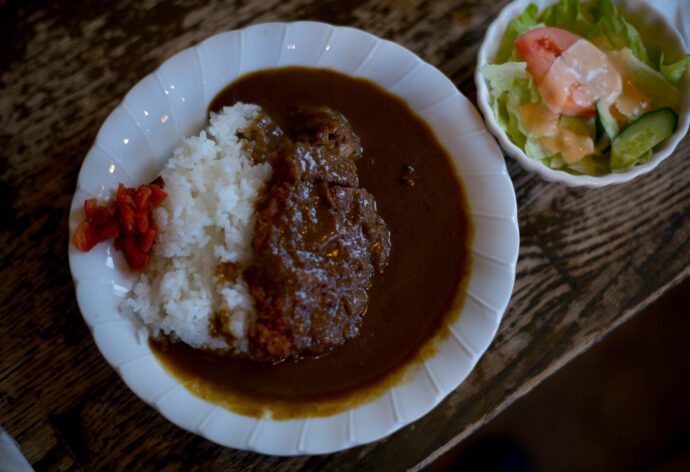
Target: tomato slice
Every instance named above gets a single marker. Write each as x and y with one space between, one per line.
540 47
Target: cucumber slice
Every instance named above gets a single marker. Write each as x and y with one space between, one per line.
605 123
640 136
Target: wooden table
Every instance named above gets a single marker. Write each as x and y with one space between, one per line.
589 259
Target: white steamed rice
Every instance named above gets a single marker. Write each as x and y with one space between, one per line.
208 218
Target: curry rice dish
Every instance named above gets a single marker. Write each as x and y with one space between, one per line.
358 254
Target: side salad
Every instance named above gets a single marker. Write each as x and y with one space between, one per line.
576 88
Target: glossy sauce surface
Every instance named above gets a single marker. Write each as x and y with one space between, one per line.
424 205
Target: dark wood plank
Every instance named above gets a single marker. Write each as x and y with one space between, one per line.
589 258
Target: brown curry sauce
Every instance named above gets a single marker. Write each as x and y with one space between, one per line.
412 302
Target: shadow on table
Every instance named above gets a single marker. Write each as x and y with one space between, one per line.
622 405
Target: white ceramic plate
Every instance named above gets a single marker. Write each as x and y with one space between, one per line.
139 136
655 31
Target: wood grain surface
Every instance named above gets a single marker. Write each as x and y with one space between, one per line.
589 258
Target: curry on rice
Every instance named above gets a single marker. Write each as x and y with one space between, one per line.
360 247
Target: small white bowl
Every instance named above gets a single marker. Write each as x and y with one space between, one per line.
138 137
654 30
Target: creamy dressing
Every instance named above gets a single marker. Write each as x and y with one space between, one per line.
631 103
539 120
584 74
580 76
572 147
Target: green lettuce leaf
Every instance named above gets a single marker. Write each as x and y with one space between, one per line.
590 165
517 26
507 85
502 77
535 149
556 162
566 15
649 81
510 87
675 70
609 25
